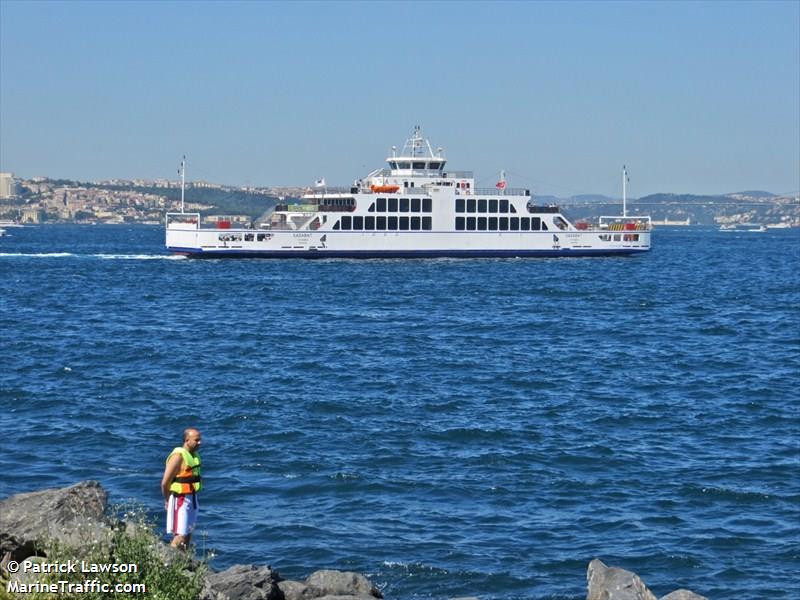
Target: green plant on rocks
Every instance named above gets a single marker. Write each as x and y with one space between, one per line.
146 568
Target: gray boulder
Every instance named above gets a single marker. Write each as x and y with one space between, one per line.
612 583
342 583
330 585
683 595
242 582
69 515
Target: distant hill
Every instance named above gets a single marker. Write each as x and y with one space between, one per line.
222 201
753 194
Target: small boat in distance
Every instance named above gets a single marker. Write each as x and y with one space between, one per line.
743 227
412 209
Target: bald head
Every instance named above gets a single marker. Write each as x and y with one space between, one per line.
191 439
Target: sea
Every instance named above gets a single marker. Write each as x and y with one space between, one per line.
446 427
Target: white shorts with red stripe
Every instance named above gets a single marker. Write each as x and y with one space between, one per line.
182 514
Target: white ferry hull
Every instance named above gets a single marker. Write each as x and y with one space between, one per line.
427 244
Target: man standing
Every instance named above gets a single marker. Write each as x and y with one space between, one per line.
179 486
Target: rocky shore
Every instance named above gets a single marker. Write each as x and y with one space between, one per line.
68 517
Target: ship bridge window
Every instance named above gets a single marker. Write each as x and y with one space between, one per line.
393 164
436 166
419 165
404 165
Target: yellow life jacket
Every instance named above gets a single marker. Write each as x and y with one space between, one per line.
187 481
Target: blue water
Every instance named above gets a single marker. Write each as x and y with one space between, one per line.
447 427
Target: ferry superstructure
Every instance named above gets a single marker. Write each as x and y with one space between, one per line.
412 209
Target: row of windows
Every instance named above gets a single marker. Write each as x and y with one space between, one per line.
384 224
435 165
472 205
402 205
500 224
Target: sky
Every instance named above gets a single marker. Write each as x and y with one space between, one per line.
694 97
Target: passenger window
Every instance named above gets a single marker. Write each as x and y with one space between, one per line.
492 223
371 207
369 223
460 224
380 224
427 224
347 223
493 206
381 204
392 204
503 206
427 205
481 223
415 225
403 223
459 205
471 223
403 204
525 224
358 223
392 224
481 206
415 205
503 223
471 205
536 224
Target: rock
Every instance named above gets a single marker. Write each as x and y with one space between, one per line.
295 590
683 595
242 582
70 515
342 583
612 583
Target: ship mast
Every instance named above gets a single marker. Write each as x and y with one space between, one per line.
624 191
183 179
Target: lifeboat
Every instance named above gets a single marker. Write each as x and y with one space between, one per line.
384 188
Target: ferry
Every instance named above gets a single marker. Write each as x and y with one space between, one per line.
413 208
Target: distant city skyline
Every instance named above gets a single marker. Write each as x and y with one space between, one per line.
694 97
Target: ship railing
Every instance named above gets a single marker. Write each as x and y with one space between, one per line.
182 221
628 223
494 191
322 192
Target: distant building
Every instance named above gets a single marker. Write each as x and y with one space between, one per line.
7 186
